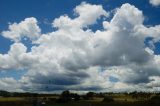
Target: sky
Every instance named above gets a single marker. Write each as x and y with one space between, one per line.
80 45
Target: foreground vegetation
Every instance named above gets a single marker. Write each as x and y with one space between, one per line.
73 99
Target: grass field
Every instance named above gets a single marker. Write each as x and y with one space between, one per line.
11 99
136 99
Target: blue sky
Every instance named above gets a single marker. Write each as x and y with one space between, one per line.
45 11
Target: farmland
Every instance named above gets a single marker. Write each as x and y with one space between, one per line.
89 99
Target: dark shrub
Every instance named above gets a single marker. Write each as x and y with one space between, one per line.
155 99
66 96
108 99
75 96
88 96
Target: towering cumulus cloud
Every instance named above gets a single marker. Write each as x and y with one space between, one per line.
74 57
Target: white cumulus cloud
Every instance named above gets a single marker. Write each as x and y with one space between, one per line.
155 2
27 28
72 57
